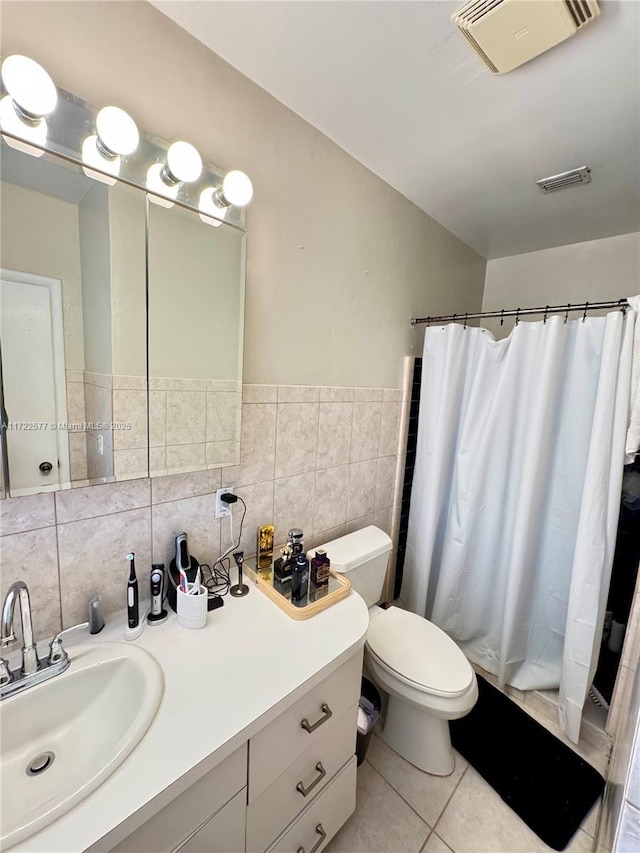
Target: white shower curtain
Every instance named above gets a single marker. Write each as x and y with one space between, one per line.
516 493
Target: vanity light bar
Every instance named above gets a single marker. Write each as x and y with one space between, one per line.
31 97
35 117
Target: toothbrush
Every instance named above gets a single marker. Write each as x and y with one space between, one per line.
133 613
195 586
184 586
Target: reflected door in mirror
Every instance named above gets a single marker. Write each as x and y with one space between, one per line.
73 327
35 410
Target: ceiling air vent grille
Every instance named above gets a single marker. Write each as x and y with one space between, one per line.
508 33
565 180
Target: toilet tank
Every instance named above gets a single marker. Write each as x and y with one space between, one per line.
363 557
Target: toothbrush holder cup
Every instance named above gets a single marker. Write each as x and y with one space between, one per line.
192 608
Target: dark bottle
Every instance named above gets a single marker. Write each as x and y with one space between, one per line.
300 580
297 542
319 575
284 565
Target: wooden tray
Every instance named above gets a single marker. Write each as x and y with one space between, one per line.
339 588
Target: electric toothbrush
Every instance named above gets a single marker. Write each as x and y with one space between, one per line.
133 610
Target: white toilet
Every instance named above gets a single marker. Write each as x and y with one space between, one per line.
427 678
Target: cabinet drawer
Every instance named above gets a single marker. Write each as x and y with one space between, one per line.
320 821
279 804
176 821
224 833
278 745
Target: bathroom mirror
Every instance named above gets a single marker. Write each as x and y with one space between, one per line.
73 326
196 276
78 405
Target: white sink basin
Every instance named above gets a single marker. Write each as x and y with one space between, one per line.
79 726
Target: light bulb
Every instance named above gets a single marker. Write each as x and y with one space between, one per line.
237 188
92 156
10 123
31 89
158 188
117 132
183 163
210 212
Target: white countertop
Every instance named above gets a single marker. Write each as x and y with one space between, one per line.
223 684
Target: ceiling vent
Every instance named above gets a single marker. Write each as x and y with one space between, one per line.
565 180
508 33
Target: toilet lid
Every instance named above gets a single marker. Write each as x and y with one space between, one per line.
419 652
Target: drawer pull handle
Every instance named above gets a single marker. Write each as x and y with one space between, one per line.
321 774
327 713
318 843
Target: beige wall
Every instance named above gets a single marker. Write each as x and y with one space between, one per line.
128 287
337 260
93 214
40 236
195 296
596 271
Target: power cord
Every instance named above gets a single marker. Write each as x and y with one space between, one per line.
219 581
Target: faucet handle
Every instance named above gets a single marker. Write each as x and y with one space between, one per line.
56 650
5 673
8 641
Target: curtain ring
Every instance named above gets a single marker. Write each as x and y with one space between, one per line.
586 308
465 320
546 311
454 317
517 316
566 316
502 317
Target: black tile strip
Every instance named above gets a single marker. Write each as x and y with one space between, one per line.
412 441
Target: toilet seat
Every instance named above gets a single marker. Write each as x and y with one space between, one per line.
419 653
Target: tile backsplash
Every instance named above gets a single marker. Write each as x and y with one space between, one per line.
194 423
321 458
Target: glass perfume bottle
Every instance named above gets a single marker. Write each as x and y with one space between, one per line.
319 575
283 566
264 550
300 580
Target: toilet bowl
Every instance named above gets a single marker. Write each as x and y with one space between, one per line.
427 678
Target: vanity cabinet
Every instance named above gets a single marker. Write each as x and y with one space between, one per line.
209 816
322 818
289 788
297 756
223 833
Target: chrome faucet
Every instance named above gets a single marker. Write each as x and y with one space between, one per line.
32 670
19 591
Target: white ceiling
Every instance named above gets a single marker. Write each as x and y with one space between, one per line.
395 85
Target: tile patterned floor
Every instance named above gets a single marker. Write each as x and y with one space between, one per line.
402 810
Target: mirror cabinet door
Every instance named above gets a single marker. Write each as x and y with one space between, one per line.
196 275
73 326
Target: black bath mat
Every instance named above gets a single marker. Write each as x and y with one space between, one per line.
545 782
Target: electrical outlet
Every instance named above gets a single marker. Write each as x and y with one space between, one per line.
222 509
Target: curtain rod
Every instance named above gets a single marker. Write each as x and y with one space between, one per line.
522 312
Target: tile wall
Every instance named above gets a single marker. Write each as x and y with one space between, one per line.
194 423
76 416
324 459
98 408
